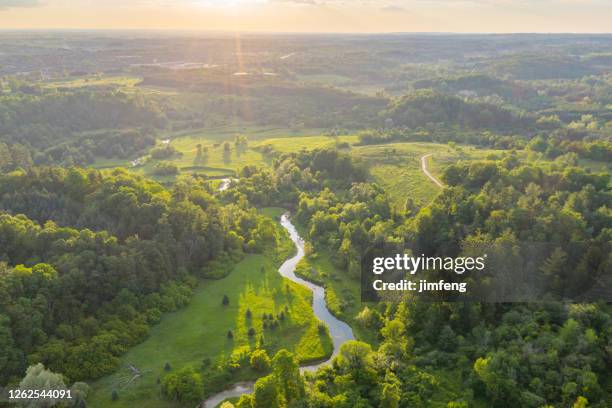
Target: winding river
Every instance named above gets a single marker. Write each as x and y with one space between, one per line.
339 331
225 183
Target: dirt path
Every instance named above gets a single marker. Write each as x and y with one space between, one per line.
427 173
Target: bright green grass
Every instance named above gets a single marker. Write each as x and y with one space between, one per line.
252 132
96 81
217 163
199 330
295 144
397 167
126 83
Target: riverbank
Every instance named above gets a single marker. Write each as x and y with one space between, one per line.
339 331
198 332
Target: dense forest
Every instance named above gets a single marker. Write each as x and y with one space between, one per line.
551 353
90 261
72 128
142 181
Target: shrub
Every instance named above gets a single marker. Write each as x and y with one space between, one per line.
186 385
260 360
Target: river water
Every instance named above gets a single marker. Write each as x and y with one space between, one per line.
339 331
225 183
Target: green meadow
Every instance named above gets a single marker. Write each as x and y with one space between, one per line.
199 331
217 163
397 167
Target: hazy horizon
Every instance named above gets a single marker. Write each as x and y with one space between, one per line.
313 16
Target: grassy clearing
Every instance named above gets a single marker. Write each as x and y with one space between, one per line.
295 144
122 81
397 167
217 163
198 332
125 83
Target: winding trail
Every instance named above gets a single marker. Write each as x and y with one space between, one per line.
427 173
339 331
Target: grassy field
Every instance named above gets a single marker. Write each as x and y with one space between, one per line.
397 167
217 163
198 331
122 81
295 144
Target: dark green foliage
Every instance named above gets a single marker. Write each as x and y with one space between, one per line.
48 126
123 256
165 169
544 350
184 386
163 152
265 394
426 106
480 84
296 173
278 103
260 360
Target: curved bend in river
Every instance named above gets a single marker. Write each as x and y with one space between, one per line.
339 331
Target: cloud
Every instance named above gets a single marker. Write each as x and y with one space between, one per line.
4 4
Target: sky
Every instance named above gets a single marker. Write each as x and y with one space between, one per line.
461 16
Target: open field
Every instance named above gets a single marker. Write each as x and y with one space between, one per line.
397 167
122 81
198 331
218 162
295 144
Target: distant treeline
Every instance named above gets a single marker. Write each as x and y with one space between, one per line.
54 127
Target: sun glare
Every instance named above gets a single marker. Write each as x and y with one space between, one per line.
230 3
